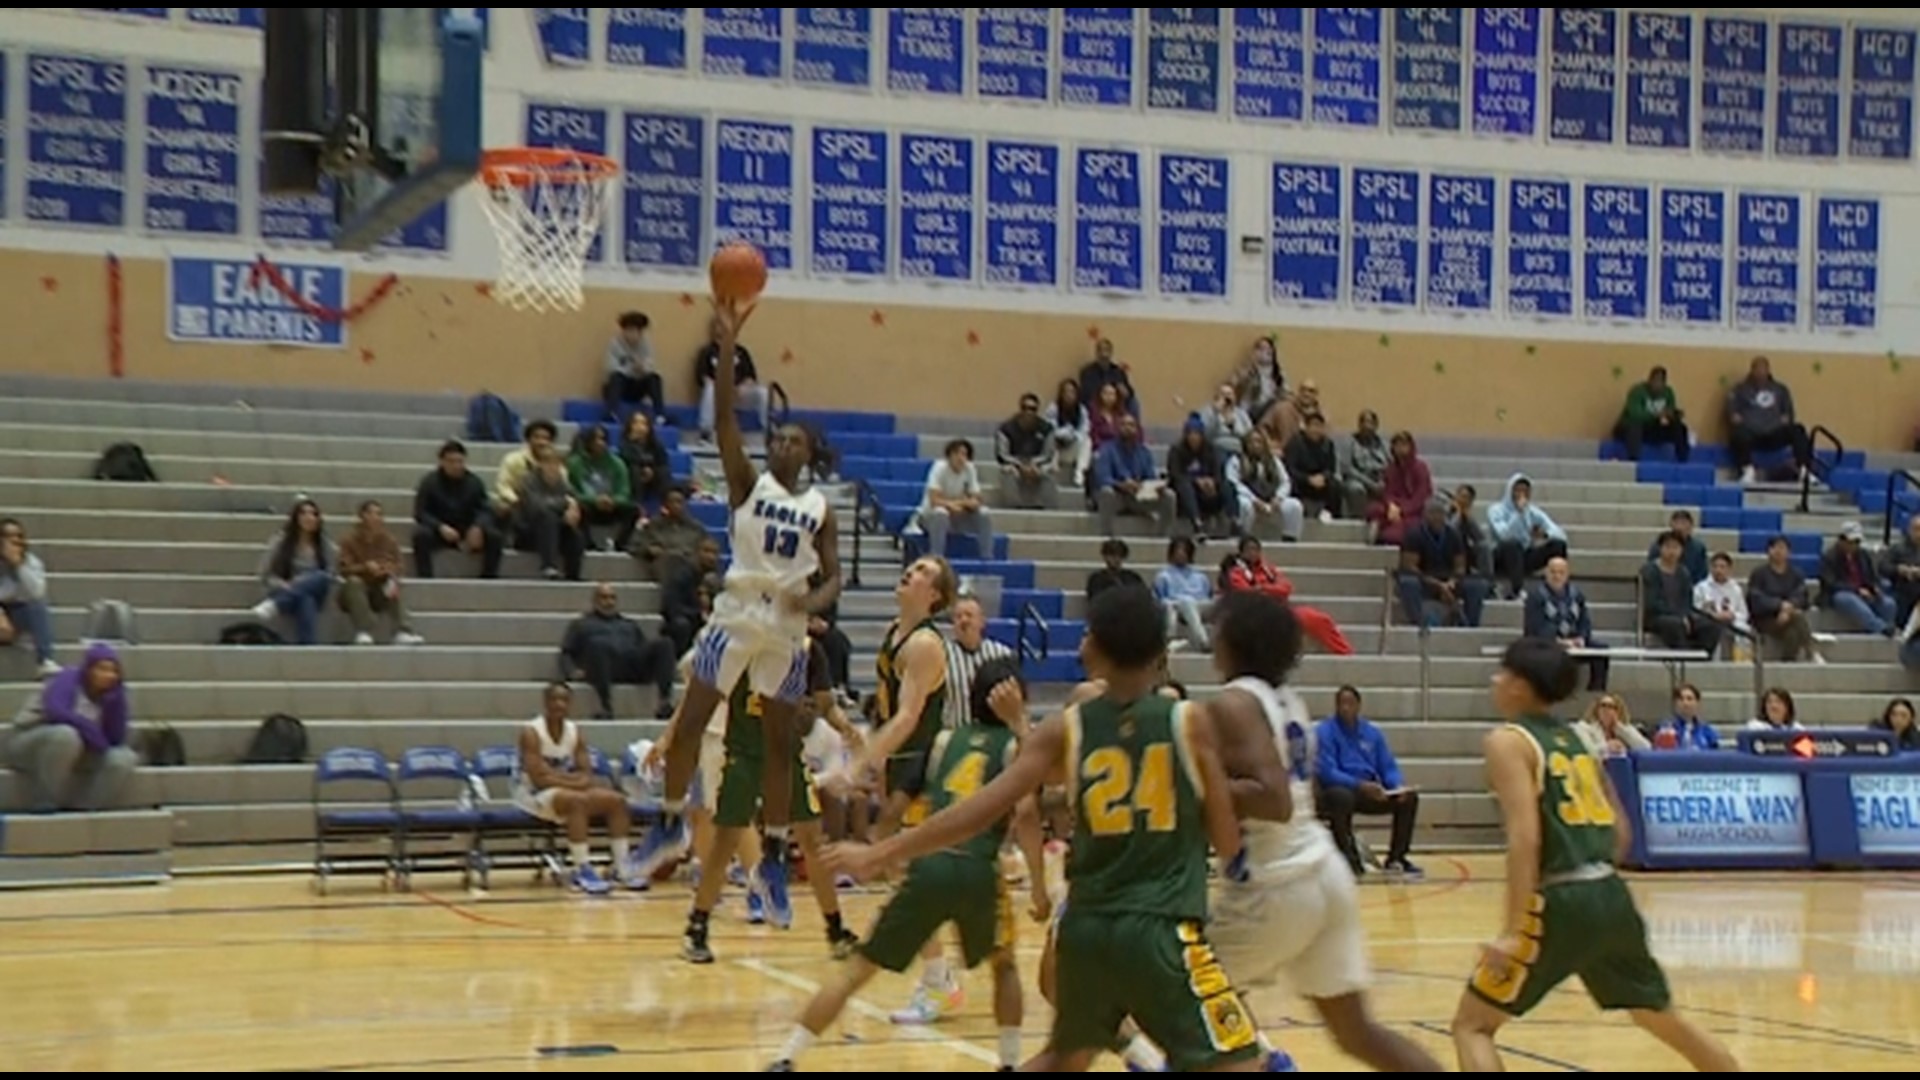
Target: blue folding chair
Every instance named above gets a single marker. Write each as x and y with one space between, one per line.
372 816
502 819
436 805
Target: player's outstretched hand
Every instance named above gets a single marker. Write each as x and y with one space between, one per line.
852 859
1009 704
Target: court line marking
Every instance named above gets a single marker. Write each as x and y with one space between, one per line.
1446 1032
871 1012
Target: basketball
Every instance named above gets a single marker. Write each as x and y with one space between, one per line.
738 272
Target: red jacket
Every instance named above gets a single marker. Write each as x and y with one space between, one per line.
1262 576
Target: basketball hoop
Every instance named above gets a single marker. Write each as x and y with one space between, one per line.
545 207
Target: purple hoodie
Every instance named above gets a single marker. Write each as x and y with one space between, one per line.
62 693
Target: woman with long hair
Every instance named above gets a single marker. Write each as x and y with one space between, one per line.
649 468
1104 422
1607 728
298 570
1776 712
1072 428
1898 718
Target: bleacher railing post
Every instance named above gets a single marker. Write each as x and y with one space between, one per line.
1386 614
1426 673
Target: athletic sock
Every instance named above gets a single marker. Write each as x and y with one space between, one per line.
1009 1047
1140 1053
1266 1046
697 919
773 846
775 832
798 1043
671 809
936 975
622 849
580 854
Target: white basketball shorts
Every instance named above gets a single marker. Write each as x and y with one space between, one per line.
740 640
1305 929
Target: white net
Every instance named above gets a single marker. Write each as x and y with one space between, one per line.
546 216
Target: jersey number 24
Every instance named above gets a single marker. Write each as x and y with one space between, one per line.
784 543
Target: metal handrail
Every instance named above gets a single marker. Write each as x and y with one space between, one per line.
1025 649
868 518
1815 465
1758 656
1893 483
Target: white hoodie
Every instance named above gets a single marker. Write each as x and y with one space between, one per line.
1711 596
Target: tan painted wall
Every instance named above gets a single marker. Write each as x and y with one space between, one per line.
445 335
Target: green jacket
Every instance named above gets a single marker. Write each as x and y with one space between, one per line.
1644 406
606 475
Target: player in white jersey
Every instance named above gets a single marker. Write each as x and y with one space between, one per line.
554 782
781 535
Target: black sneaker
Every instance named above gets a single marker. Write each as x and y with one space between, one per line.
783 1065
1405 870
694 948
842 942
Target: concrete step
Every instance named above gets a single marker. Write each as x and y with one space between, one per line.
90 870
214 395
113 416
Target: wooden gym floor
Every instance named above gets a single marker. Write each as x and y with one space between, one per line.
1795 972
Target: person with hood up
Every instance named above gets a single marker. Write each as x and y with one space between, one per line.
69 740
1199 482
1760 417
1525 539
1363 467
1406 489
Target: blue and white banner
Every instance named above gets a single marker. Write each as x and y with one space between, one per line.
1309 233
299 219
1096 56
1013 53
1460 214
1659 80
753 194
1023 214
1429 60
1194 206
568 127
1347 68
1881 127
1109 222
1270 63
1539 248
1385 271
1584 87
565 35
1886 812
239 18
850 202
76 140
1846 264
927 50
833 46
193 151
1723 814
1735 59
665 184
1619 250
1183 59
936 208
1807 122
1693 256
744 42
1766 283
1506 71
647 37
224 300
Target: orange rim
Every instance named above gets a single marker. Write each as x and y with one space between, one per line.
525 166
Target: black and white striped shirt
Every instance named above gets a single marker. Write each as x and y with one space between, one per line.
961 666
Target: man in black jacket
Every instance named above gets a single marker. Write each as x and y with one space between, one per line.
687 597
604 647
450 511
1777 599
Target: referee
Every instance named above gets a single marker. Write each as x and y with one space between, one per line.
967 649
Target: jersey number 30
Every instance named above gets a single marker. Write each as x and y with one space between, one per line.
784 543
1586 802
1115 798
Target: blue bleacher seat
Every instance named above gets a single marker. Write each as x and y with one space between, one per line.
1716 517
377 820
1062 635
1702 495
1767 521
960 546
909 470
1012 575
1050 603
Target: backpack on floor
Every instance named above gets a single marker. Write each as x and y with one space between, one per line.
491 419
161 747
280 740
111 620
124 462
250 632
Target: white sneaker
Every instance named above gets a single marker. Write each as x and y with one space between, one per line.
49 668
408 637
363 638
1748 476
1326 517
265 610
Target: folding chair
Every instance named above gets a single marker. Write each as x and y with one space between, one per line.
430 812
501 818
373 816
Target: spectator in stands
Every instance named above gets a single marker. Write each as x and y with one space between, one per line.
69 739
1104 420
1900 565
370 578
604 647
1199 482
1897 718
23 596
1607 728
1777 597
1850 585
1247 570
1652 415
539 435
630 375
649 467
1460 515
686 598
1313 464
1289 417
1355 773
1687 729
450 511
1363 469
1261 383
298 570
968 650
1263 490
1126 481
1724 599
1556 610
671 539
748 393
1524 537
1777 712
1406 489
602 489
1025 449
1760 417
1433 566
1113 553
953 497
1103 372
1186 591
555 783
547 518
1693 552
1668 613
1226 422
1072 421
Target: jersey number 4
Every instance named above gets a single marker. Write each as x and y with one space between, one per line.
1115 799
784 543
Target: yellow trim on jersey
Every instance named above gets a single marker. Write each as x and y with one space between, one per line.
1539 757
1071 720
1182 742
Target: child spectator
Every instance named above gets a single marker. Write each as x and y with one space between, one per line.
69 740
602 489
1406 489
1114 574
298 570
649 468
370 578
23 596
1186 592
630 375
1524 537
1363 469
1850 585
1652 415
1263 490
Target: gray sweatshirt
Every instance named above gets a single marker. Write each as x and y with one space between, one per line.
23 584
304 559
1762 408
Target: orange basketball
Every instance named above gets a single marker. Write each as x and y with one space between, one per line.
738 272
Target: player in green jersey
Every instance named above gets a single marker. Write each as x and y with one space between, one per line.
912 670
1568 912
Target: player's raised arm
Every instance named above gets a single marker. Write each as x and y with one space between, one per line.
924 660
730 315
